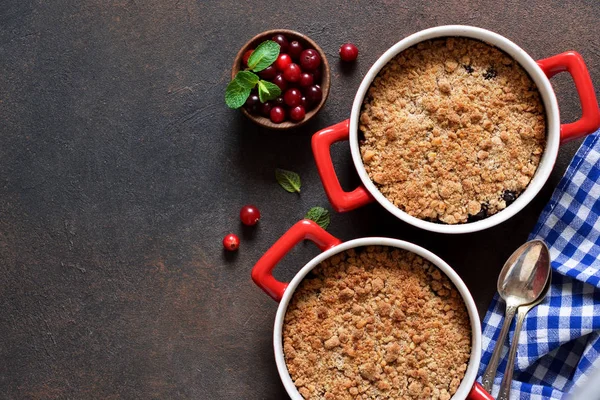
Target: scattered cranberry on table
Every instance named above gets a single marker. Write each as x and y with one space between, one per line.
231 242
297 71
249 215
348 52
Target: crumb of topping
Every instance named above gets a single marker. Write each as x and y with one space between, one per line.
376 323
449 123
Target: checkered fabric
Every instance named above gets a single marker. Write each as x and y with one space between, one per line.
560 340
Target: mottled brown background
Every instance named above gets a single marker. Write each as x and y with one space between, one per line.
121 170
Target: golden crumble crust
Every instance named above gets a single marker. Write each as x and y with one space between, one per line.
453 130
376 323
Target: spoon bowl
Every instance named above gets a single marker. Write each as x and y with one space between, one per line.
521 282
525 273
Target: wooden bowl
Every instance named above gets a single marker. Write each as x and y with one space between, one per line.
307 43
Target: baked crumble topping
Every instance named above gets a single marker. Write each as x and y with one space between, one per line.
376 323
454 130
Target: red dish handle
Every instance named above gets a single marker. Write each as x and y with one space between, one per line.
321 142
262 273
479 393
572 62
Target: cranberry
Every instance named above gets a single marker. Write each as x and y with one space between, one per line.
348 52
280 81
279 101
268 73
304 102
314 94
277 114
246 56
292 97
297 113
282 42
282 62
252 104
249 215
231 242
306 79
317 75
292 73
310 59
295 49
265 109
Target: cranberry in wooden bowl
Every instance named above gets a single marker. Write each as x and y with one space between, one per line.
302 73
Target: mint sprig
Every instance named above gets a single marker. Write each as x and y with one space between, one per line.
236 94
246 79
240 87
288 180
267 91
264 55
320 215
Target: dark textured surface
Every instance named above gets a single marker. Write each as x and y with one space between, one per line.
121 169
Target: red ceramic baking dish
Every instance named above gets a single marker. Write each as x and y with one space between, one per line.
282 292
557 133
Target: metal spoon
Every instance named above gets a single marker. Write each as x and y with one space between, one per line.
521 313
521 282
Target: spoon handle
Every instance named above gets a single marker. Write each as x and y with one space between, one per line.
487 381
504 393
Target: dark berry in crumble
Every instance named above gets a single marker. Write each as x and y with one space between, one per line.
483 213
509 197
490 73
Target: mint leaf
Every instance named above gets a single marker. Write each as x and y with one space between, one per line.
267 91
320 215
288 180
246 79
264 55
236 94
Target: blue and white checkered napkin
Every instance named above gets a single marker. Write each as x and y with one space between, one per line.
560 341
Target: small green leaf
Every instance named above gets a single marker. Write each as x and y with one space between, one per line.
236 94
288 180
268 91
320 215
246 79
264 55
